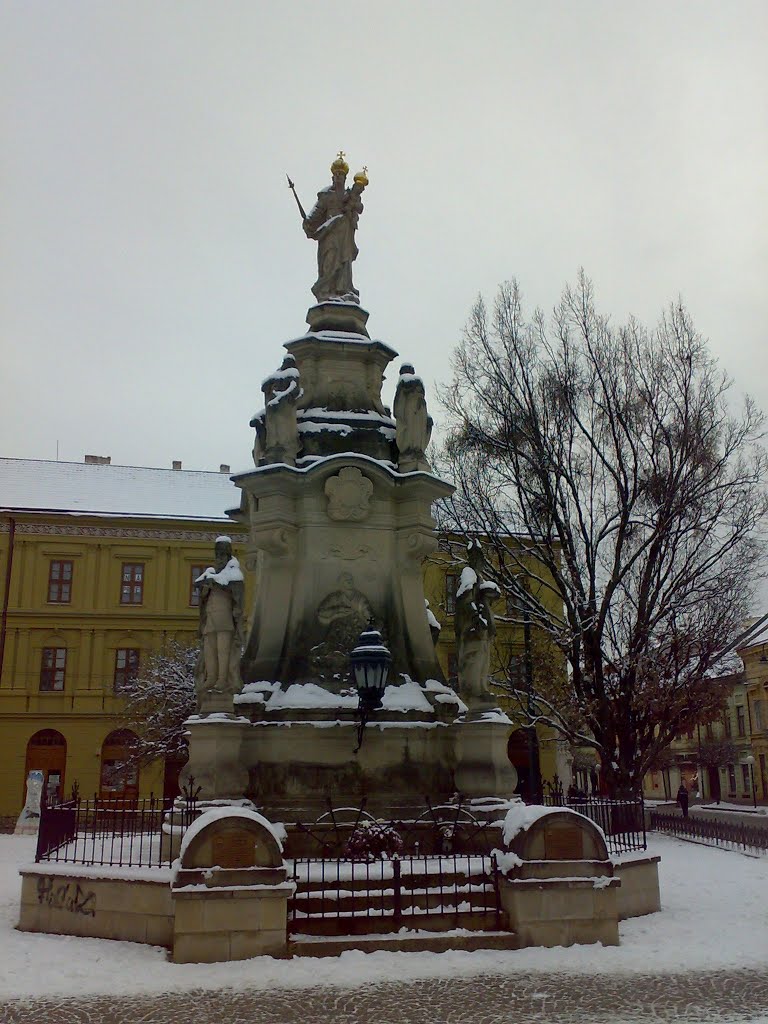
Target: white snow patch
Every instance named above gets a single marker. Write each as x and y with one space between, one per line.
467 581
408 696
231 573
309 695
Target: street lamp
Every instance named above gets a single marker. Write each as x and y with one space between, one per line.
370 661
751 762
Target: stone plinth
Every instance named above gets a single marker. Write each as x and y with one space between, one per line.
482 766
230 892
215 760
559 886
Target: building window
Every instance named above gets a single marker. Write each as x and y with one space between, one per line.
745 778
451 582
516 671
60 582
53 668
132 583
727 724
731 779
195 571
126 667
740 721
514 605
757 707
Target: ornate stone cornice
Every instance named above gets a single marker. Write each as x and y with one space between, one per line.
122 532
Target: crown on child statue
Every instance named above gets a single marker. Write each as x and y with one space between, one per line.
361 178
340 165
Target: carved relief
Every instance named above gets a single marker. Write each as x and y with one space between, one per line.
349 550
342 616
349 495
278 542
414 546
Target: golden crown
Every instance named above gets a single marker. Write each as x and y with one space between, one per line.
361 178
340 165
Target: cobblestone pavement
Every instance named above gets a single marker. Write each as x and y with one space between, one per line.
485 999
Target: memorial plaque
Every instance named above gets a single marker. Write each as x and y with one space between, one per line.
234 849
563 844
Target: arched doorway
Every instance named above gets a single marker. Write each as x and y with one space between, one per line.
519 754
47 752
119 777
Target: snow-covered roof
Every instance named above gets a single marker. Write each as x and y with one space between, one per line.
76 487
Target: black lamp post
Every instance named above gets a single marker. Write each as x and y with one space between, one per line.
370 661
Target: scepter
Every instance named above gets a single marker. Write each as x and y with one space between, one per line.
298 201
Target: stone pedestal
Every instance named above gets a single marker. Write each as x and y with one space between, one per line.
215 756
482 766
230 892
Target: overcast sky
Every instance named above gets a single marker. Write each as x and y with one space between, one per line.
152 261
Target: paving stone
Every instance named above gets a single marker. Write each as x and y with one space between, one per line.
486 999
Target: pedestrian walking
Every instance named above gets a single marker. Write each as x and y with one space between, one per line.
682 799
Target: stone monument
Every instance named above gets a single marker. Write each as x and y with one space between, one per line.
338 509
28 822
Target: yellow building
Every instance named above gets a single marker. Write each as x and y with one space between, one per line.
754 655
96 570
712 760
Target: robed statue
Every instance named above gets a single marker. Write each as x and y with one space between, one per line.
332 223
413 422
475 628
221 627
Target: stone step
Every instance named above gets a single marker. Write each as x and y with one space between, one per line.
383 901
376 878
413 942
378 924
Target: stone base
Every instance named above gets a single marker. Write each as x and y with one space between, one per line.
482 766
562 911
215 761
338 316
218 924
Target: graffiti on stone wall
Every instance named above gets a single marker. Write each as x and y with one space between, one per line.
66 896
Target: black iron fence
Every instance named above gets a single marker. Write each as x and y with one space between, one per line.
727 834
357 896
114 833
622 820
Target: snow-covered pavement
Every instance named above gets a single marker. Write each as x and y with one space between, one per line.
711 936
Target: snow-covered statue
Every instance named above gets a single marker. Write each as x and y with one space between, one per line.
413 422
474 627
332 223
277 432
222 625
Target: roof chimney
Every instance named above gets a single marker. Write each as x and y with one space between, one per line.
224 468
98 460
176 464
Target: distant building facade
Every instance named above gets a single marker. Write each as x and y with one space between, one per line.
97 563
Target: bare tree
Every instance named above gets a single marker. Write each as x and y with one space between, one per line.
158 700
623 499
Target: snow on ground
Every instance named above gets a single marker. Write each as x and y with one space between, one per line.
713 917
